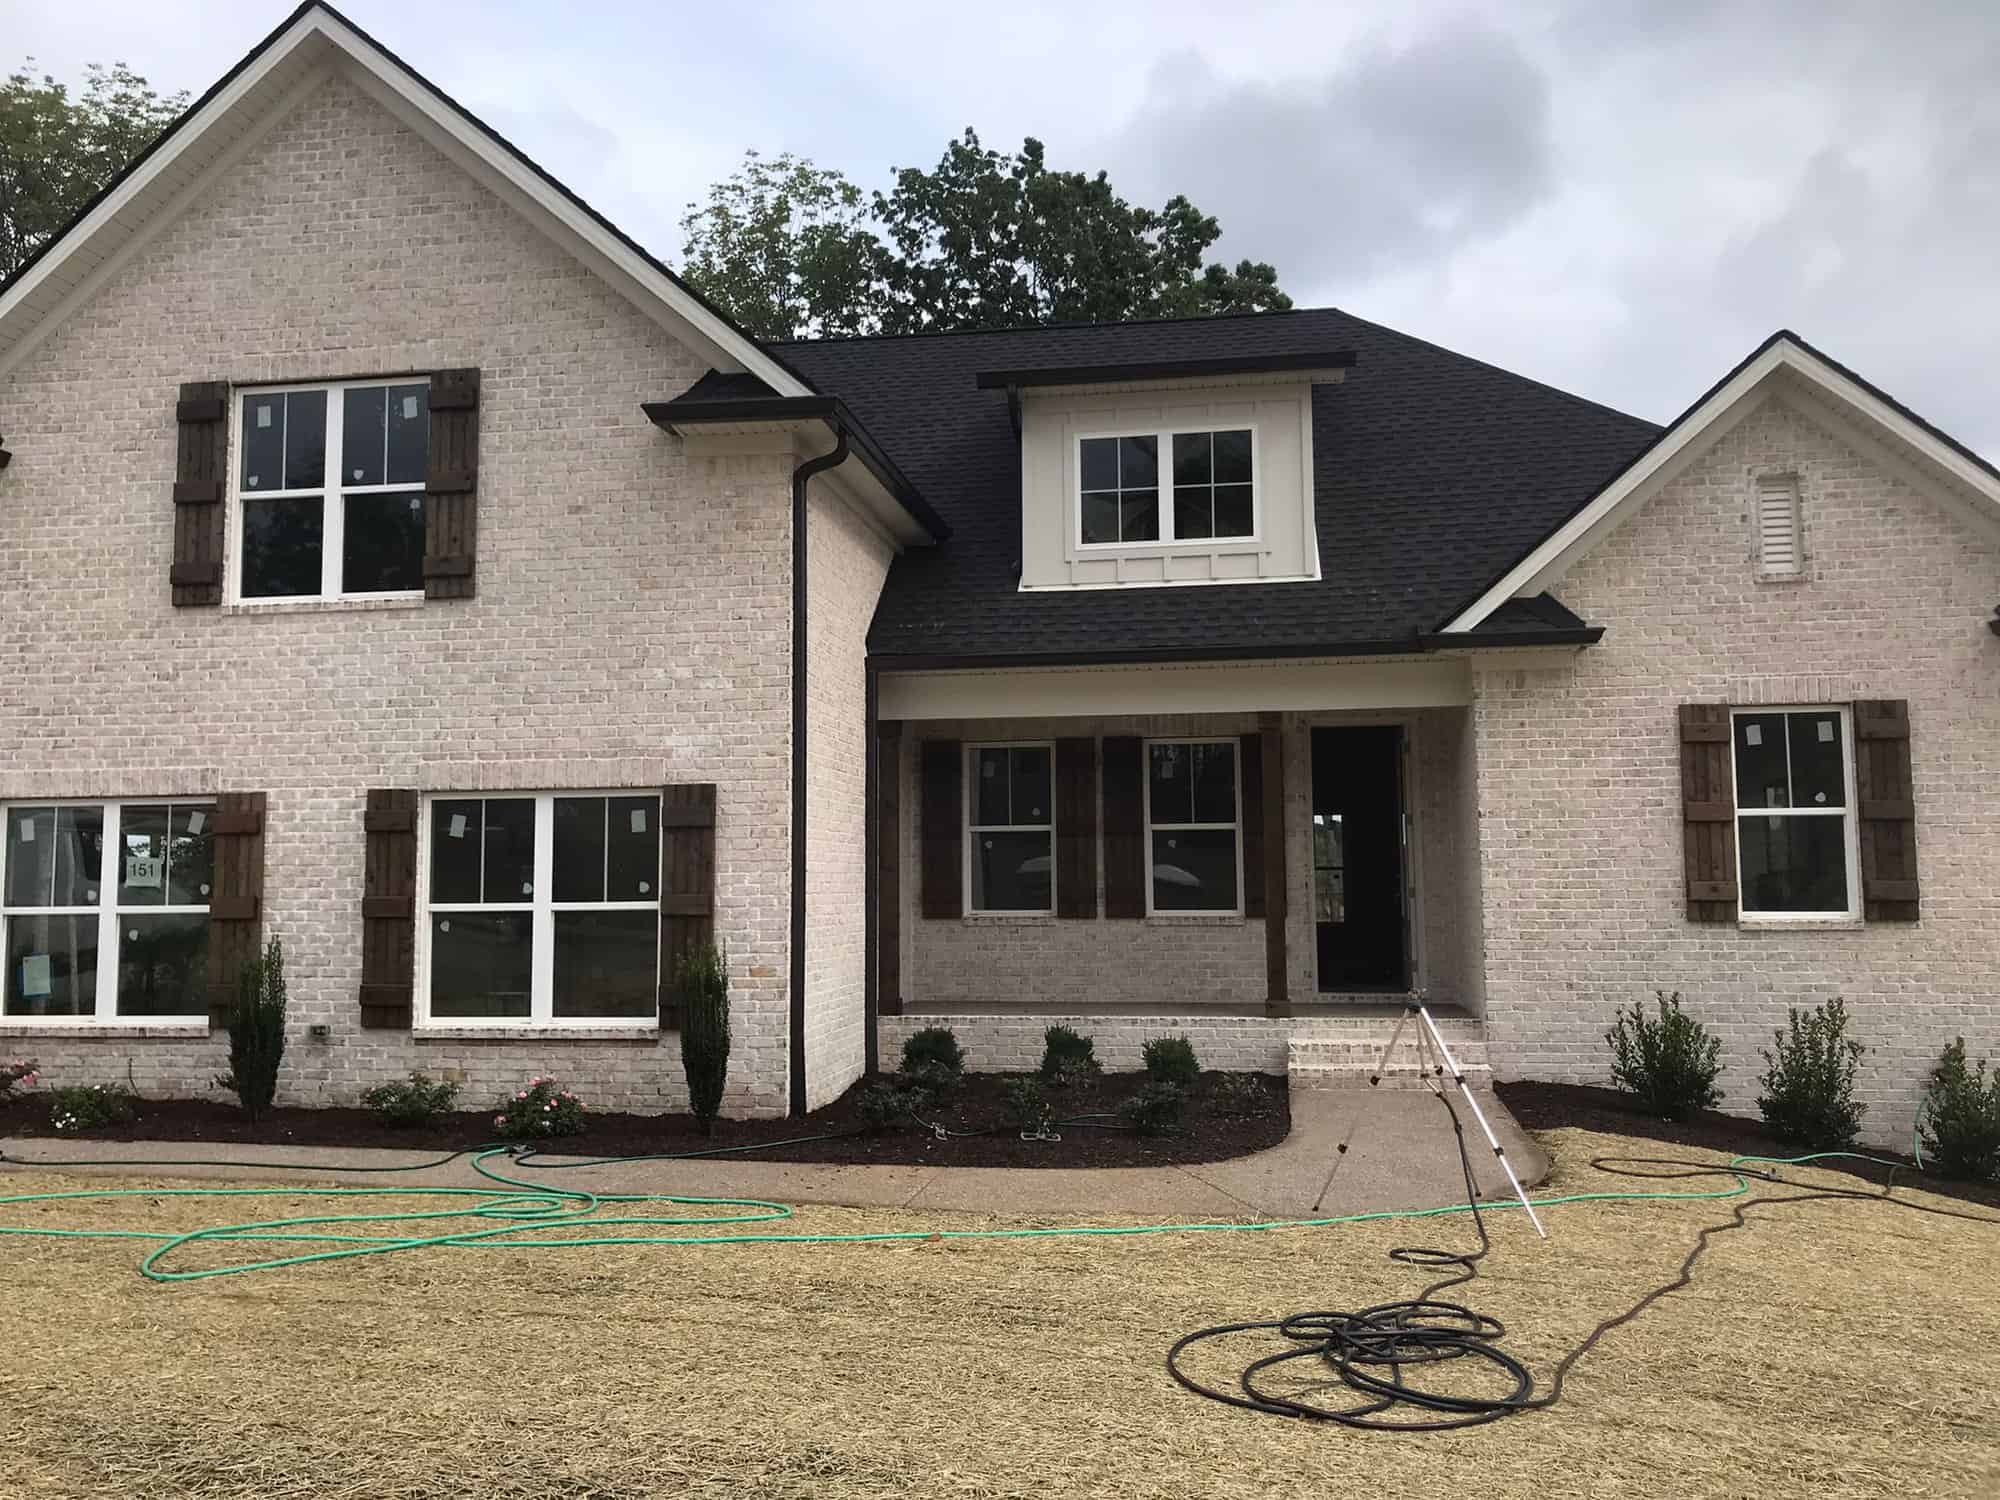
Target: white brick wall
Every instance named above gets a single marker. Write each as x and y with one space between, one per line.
1578 772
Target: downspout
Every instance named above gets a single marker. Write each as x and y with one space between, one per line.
801 477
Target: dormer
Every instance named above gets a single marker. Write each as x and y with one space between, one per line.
1172 472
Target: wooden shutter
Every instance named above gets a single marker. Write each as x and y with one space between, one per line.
889 868
389 910
1250 773
1076 828
1124 827
687 883
1708 813
236 897
942 771
451 486
201 471
1887 804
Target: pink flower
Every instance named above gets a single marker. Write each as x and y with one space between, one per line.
499 1119
521 1096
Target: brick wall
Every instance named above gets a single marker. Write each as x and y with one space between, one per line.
1578 773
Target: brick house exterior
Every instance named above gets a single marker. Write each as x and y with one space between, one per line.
1488 640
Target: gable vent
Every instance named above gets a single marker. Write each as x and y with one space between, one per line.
1780 553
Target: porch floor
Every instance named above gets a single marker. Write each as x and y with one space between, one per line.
1370 1008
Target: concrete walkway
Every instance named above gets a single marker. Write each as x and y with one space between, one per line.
1399 1155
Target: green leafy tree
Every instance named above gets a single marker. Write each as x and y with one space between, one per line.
58 150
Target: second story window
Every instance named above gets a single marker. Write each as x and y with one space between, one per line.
1208 489
330 490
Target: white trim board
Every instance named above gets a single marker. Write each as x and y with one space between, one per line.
1787 368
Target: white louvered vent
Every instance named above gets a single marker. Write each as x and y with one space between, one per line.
1780 553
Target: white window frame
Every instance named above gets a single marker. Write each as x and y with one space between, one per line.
1146 772
332 496
1848 812
1164 438
970 799
107 911
541 905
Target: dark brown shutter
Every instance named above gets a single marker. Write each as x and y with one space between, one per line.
1076 828
687 883
889 867
451 486
389 910
1124 827
1708 813
236 896
1250 771
1887 804
201 471
942 771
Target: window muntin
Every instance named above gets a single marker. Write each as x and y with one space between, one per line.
85 943
330 490
1010 828
1193 823
1208 494
542 908
1796 847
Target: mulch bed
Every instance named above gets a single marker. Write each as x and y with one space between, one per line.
977 1104
1554 1106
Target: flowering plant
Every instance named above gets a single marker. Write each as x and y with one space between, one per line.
83 1107
21 1071
543 1108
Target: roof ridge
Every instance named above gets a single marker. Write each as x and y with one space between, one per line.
1076 323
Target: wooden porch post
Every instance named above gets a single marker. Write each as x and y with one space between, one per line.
888 868
1277 992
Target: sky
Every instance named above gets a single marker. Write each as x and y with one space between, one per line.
1617 197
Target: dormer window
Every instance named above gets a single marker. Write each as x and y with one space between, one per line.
1210 491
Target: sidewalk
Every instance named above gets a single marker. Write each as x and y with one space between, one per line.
1399 1155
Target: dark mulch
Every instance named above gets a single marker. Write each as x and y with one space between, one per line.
1552 1106
977 1104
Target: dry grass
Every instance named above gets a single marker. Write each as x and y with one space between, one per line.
1832 1350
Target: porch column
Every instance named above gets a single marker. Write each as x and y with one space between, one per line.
1271 744
888 853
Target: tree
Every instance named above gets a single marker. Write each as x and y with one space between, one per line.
58 152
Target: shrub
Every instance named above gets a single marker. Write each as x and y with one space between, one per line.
1671 1064
935 1045
86 1106
1240 1096
543 1108
1156 1109
21 1071
257 1031
701 981
883 1106
1171 1059
927 1082
1808 1083
1961 1117
413 1101
1028 1106
1067 1057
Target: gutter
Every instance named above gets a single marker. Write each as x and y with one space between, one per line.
1422 644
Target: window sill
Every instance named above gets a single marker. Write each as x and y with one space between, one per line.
321 606
1010 918
1196 918
1800 924
126 1031
530 1033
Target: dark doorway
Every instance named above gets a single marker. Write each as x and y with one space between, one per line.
1359 911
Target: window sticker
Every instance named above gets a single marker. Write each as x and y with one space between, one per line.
457 829
145 870
1826 731
35 979
27 830
264 416
197 820
409 408
1753 735
645 886
638 820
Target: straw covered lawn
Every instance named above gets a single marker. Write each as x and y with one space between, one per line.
1832 1350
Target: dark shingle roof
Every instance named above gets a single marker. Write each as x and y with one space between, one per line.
1434 473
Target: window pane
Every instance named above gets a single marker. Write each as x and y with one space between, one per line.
1139 516
1031 785
1100 463
1191 458
1138 463
409 433
1794 864
1172 788
142 863
1214 783
305 440
79 855
1818 778
579 853
607 965
481 964
281 548
990 787
191 857
1012 871
31 853
1100 517
363 433
52 966
510 851
454 852
1232 456
382 549
1194 871
263 442
163 965
1235 511
1760 761
1193 514
635 849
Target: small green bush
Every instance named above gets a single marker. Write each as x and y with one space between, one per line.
1240 1096
543 1108
1171 1059
701 983
1671 1064
1157 1109
416 1100
883 1106
1808 1083
82 1107
934 1045
1068 1057
1961 1117
927 1081
257 1032
1028 1106
19 1071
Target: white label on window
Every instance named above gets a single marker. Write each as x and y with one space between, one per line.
204 888
638 820
457 828
1819 796
144 870
409 408
197 821
252 481
444 924
1753 735
35 976
645 886
27 830
358 473
263 416
1826 731
526 889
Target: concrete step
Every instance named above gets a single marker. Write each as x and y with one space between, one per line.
1318 1062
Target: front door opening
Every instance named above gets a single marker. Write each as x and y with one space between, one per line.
1359 909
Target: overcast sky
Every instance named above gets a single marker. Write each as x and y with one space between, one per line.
1619 197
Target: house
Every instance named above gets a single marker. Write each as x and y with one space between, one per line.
396 559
